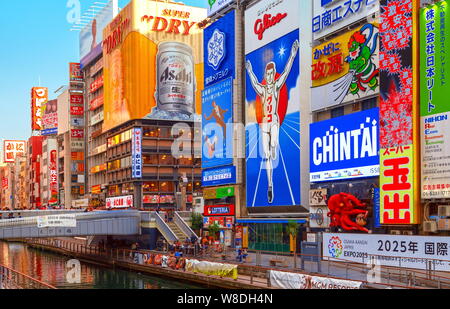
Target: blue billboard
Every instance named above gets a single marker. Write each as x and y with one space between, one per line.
219 48
345 147
273 123
217 125
219 176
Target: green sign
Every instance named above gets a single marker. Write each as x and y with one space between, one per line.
434 63
225 192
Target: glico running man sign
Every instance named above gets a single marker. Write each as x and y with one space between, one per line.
272 104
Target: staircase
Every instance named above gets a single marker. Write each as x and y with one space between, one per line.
177 231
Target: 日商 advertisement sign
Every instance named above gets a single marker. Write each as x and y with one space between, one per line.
153 63
273 104
346 147
332 15
346 68
434 107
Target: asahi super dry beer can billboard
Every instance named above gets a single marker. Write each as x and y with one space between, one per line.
153 63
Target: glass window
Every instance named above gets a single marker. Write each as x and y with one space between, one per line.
164 132
166 159
166 187
151 186
337 112
151 132
151 159
369 104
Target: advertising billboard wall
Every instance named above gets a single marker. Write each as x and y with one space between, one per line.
219 176
346 68
397 113
50 118
345 147
91 35
273 103
12 149
332 15
434 107
136 159
217 124
219 49
389 250
39 97
148 35
397 186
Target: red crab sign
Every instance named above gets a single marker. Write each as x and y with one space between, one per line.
347 212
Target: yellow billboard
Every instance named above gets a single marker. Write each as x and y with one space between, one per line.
153 63
397 186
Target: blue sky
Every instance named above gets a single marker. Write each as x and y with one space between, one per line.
36 42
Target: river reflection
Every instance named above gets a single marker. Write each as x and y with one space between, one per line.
51 268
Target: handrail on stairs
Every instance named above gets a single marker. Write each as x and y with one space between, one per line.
183 226
165 230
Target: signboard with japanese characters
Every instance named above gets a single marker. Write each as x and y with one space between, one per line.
397 120
136 161
333 15
434 107
346 68
12 149
120 202
389 250
77 110
396 182
219 47
39 98
318 197
77 133
77 145
436 156
75 73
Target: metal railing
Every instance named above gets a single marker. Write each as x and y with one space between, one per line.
255 268
184 227
165 230
12 279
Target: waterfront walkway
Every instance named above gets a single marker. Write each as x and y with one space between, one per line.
253 274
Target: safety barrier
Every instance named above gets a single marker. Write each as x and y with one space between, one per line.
12 280
255 268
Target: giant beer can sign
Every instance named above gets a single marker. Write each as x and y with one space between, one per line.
176 79
153 63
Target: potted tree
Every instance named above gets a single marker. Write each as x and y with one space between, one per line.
197 223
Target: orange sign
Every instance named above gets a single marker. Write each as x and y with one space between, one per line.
39 97
12 149
153 62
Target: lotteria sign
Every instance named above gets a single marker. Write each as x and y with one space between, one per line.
345 147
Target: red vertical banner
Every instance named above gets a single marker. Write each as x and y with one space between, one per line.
397 112
39 97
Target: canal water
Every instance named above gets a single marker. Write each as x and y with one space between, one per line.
51 268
